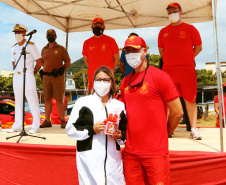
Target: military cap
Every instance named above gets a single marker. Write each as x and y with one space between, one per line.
50 32
19 27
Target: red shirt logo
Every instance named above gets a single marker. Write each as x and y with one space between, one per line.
166 35
144 88
182 34
91 48
160 183
103 47
126 90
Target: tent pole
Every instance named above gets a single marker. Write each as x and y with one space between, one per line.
65 74
218 68
67 30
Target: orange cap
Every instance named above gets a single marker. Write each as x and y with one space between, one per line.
135 42
96 20
174 5
224 84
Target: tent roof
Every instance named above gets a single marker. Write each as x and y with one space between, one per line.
77 15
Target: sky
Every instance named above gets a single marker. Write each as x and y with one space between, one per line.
10 16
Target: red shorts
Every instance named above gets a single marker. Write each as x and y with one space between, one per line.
185 81
144 170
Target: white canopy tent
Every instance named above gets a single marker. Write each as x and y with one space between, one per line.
77 16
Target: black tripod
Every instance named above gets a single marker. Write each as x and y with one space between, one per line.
23 132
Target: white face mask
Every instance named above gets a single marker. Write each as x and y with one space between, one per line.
174 17
134 60
101 87
19 37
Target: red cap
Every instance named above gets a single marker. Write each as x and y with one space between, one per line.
174 5
135 42
98 20
224 84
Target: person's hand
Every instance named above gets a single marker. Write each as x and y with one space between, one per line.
99 127
117 136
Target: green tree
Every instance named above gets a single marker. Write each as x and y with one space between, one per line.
6 83
205 77
154 60
78 78
119 75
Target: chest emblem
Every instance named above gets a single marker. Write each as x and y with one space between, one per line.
103 47
160 183
166 35
126 90
91 48
182 34
144 88
55 52
14 53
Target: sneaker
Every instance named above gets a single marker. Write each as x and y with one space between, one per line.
195 134
32 131
62 124
13 130
46 124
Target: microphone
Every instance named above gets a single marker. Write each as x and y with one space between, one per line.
31 33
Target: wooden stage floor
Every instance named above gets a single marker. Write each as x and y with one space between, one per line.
180 142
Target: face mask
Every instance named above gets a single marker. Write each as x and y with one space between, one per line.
51 39
134 60
174 17
101 88
19 37
98 31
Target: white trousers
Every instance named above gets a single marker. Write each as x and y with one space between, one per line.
32 98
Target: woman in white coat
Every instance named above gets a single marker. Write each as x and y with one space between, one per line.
98 156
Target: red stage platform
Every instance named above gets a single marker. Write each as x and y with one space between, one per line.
52 164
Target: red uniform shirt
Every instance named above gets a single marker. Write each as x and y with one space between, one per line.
178 42
100 51
146 111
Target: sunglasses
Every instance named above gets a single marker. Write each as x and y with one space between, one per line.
103 79
139 84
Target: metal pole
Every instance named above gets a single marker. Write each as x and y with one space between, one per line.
65 74
218 68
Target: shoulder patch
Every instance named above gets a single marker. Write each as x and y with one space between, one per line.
14 45
31 43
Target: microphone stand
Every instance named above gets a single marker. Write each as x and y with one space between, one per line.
23 132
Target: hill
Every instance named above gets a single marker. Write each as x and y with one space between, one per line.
76 66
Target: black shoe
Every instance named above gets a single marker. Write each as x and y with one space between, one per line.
171 136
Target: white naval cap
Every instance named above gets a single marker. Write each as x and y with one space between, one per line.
19 27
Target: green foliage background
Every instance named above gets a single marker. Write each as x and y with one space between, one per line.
78 67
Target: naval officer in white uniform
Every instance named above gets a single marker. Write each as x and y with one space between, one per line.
30 83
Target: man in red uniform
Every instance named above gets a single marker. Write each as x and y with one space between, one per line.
216 106
99 50
147 92
179 43
55 117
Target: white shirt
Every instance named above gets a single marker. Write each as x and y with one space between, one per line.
32 55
